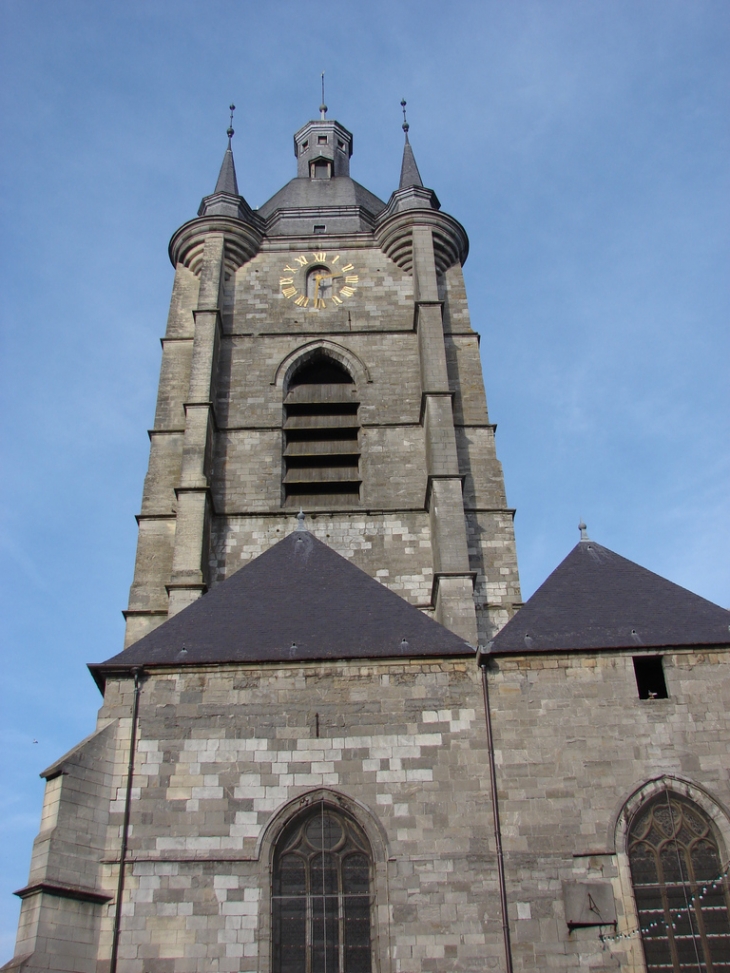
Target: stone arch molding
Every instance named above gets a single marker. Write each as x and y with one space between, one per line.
358 811
348 359
707 802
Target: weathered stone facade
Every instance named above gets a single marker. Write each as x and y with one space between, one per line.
577 752
431 503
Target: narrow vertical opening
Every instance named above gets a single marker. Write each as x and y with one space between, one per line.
321 436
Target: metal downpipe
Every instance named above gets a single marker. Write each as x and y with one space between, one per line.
137 673
495 816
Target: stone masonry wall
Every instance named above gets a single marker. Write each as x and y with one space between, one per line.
222 752
387 533
573 742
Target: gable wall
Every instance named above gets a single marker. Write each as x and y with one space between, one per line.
573 741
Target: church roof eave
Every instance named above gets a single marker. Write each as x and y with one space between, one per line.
299 601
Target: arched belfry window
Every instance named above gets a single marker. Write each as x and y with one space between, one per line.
321 433
681 887
321 903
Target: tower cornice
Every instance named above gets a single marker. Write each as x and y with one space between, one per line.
395 237
242 241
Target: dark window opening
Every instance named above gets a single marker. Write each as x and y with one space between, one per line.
305 146
321 902
321 436
340 145
682 894
321 140
650 682
320 169
321 371
320 228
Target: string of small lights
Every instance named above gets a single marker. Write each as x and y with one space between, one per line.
648 929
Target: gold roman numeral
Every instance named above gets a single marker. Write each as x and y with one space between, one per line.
302 261
336 299
292 270
347 291
289 292
335 259
302 301
286 280
352 279
318 302
320 257
348 267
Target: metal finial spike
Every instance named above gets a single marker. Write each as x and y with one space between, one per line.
405 125
583 531
229 131
323 107
300 520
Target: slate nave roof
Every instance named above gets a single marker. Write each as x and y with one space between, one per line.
297 601
596 599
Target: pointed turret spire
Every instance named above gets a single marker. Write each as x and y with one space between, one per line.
227 182
226 200
409 174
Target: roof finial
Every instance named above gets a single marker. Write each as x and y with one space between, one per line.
405 125
229 131
323 107
583 531
300 520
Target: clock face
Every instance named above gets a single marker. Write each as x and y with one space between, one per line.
318 281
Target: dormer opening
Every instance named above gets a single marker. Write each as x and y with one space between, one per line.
320 169
321 436
321 140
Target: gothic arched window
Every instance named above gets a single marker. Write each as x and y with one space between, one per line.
681 887
321 899
321 428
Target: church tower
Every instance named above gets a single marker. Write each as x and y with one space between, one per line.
295 767
319 356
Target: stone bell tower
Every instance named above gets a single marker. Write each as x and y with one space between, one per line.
319 355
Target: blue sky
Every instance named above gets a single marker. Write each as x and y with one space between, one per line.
582 143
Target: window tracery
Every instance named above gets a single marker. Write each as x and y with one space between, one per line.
684 911
321 902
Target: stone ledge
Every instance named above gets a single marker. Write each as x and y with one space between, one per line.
64 892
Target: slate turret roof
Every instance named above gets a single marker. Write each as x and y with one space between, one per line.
227 182
299 600
596 599
409 174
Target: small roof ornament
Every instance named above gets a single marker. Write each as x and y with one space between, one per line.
227 182
323 107
300 520
583 531
405 126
